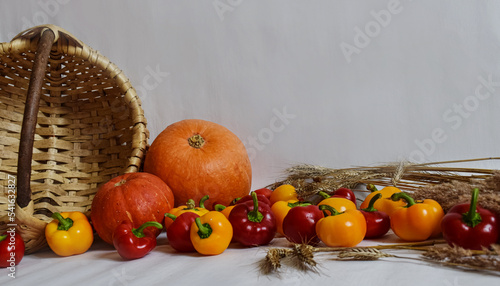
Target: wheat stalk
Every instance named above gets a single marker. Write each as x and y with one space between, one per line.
362 254
301 256
485 260
447 185
410 174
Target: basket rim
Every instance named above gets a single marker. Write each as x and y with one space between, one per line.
71 46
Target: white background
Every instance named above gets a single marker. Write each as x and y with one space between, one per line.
361 82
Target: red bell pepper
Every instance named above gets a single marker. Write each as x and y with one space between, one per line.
377 223
132 243
345 193
299 224
253 222
470 226
265 192
178 233
249 198
11 248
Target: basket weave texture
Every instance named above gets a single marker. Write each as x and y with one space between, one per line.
90 127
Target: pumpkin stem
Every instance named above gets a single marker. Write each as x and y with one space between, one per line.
121 182
196 141
190 205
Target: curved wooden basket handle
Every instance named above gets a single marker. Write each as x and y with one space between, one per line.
30 117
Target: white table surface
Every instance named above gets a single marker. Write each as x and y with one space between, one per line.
102 265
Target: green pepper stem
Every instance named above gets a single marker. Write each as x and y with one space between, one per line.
64 223
139 232
254 215
299 204
171 216
371 187
219 207
202 201
2 237
402 195
204 230
472 218
324 195
332 210
370 207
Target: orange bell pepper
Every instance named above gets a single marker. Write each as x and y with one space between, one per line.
280 210
69 233
283 193
384 204
211 233
190 206
418 220
224 210
341 229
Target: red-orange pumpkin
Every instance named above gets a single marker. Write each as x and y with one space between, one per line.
137 197
196 158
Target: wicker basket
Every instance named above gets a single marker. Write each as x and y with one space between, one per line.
70 121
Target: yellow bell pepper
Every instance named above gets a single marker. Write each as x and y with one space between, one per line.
417 221
338 203
384 204
211 233
190 206
341 229
280 210
69 233
283 193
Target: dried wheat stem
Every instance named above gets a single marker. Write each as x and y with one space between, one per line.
468 266
450 256
362 253
302 255
383 246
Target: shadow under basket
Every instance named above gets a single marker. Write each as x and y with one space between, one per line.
69 121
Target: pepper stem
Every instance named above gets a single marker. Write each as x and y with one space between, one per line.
202 201
472 218
139 232
254 215
370 207
2 237
64 223
332 210
371 187
171 216
219 207
324 195
402 195
299 204
204 230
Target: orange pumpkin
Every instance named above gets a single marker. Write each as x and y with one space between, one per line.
197 158
137 197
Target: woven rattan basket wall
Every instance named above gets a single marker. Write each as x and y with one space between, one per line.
69 121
